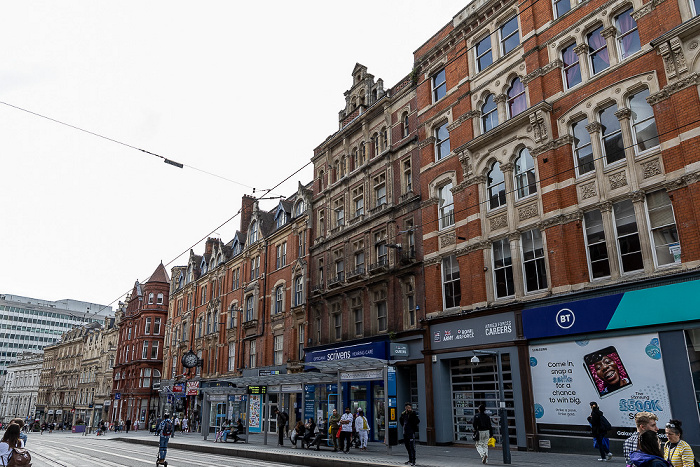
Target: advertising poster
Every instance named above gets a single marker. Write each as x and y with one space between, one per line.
624 375
255 413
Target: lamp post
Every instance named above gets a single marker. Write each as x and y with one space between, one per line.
503 418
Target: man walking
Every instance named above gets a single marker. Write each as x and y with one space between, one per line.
409 421
166 431
644 421
128 425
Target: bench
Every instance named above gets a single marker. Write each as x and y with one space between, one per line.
231 438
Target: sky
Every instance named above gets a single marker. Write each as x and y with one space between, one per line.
239 92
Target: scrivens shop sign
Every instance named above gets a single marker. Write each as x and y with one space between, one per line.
372 349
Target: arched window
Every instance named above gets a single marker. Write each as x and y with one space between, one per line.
299 208
354 160
597 51
446 206
208 323
644 131
516 98
375 144
489 114
181 281
203 266
298 291
524 174
279 296
572 66
496 187
253 231
627 34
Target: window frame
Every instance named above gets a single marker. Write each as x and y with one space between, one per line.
278 350
634 124
491 115
446 211
441 143
478 56
503 40
507 268
279 300
619 237
593 52
604 136
439 88
590 246
490 186
566 68
651 229
539 261
530 188
512 100
576 149
452 280
619 36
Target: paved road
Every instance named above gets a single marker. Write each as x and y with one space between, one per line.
67 450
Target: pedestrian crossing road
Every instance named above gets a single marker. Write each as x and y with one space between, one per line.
59 450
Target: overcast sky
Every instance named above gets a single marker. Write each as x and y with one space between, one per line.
245 90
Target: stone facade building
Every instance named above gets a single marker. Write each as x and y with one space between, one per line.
19 397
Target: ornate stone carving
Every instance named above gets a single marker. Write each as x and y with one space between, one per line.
538 125
588 190
429 202
499 222
609 32
593 127
526 212
554 144
507 167
637 196
623 114
465 160
500 98
605 206
651 168
581 50
665 51
670 89
643 10
447 239
693 45
617 180
426 142
677 47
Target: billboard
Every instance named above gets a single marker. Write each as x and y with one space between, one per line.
624 375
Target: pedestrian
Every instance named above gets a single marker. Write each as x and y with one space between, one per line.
483 430
677 452
409 421
282 419
346 430
22 435
362 428
9 441
298 433
185 425
334 426
166 431
177 423
128 425
309 432
649 453
599 428
136 425
644 421
320 435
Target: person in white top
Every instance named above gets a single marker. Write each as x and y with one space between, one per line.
10 440
185 425
362 428
346 430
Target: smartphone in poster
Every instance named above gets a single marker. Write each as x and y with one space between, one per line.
623 375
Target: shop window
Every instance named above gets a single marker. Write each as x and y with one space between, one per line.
533 260
524 173
503 269
611 135
627 34
662 228
484 57
597 51
598 263
629 247
583 149
572 66
439 85
510 38
644 133
496 187
451 288
489 114
446 206
442 142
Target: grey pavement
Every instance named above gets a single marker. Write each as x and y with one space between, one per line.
376 455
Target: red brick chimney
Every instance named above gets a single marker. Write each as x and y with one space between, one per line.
247 204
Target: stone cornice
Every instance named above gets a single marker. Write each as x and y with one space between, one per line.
670 89
542 70
646 9
426 142
560 219
557 143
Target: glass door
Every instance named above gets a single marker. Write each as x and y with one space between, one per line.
378 414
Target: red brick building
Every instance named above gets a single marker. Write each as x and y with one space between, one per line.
559 176
139 360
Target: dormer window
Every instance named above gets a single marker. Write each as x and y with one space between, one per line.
181 281
219 259
281 218
253 233
299 209
203 267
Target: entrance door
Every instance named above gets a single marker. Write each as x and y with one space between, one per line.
377 421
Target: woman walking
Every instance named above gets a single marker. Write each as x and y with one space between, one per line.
599 428
677 452
482 426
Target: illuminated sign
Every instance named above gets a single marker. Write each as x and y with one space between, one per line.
257 390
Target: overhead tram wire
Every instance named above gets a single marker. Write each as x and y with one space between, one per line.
130 146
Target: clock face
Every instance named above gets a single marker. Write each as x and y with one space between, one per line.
190 360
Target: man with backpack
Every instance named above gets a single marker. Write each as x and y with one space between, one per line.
599 428
166 431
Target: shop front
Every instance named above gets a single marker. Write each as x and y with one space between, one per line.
632 351
465 375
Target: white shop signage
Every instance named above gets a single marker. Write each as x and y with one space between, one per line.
474 331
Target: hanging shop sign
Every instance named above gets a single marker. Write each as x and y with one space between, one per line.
655 305
474 331
192 388
624 375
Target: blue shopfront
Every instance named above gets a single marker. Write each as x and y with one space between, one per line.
366 379
629 351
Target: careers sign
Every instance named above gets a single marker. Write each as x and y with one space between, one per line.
474 331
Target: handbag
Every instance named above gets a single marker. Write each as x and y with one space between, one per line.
492 442
606 443
337 433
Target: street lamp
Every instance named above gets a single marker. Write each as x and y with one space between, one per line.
505 436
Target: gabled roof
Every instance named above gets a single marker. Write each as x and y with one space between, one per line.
159 275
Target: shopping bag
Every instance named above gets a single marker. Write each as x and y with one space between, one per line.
492 442
337 433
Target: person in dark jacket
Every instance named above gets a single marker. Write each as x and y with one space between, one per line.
282 420
482 426
409 421
309 433
649 454
599 431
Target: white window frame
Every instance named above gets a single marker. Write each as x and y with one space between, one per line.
540 262
619 37
608 135
439 87
446 206
566 67
503 40
147 327
590 245
252 355
298 290
279 299
490 187
441 143
618 238
231 356
634 125
487 116
506 244
382 315
478 56
576 149
155 347
144 351
592 51
651 229
452 281
278 350
521 179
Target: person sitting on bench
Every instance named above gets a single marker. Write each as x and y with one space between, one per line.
309 433
320 436
239 430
